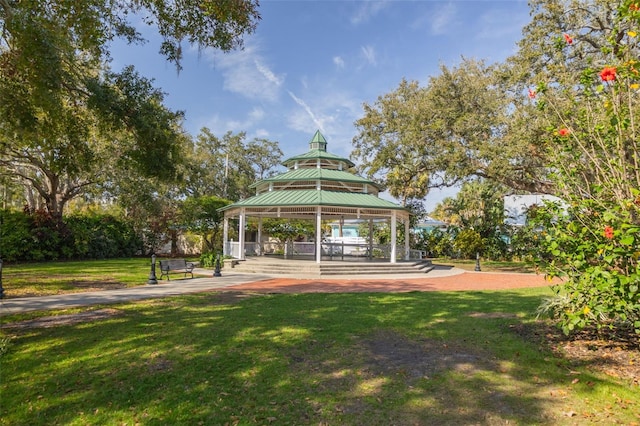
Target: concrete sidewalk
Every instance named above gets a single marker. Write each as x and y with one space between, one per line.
182 286
162 289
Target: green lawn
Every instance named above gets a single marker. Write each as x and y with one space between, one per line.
331 359
47 278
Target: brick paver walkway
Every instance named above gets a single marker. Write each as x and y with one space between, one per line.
466 281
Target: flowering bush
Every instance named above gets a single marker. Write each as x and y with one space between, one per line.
599 266
593 243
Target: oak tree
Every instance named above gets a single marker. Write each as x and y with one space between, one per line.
64 115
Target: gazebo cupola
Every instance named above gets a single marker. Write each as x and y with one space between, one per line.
318 142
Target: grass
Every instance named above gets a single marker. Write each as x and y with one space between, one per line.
331 359
42 279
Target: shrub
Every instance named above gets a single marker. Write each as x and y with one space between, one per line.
435 243
102 236
37 236
468 242
207 260
15 236
595 250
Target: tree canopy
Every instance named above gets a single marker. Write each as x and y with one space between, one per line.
476 120
464 124
228 165
65 117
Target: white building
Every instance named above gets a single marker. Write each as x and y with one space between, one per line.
516 206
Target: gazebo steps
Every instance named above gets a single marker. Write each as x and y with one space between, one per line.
326 268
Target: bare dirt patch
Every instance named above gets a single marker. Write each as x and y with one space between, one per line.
68 319
229 297
158 363
104 284
617 355
388 352
492 315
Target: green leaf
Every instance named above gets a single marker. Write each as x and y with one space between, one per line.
627 240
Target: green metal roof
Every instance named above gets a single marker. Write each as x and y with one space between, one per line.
306 198
318 154
312 197
318 150
318 174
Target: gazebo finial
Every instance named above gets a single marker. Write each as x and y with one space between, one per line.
318 142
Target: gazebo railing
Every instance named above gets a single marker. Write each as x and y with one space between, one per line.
330 250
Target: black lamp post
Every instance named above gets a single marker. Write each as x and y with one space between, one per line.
477 268
216 271
152 274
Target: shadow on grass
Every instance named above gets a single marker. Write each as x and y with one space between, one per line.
360 359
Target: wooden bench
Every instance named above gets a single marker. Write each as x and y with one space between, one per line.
181 265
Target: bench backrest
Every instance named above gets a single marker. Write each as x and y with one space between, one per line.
173 264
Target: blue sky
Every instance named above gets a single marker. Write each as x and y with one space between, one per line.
312 64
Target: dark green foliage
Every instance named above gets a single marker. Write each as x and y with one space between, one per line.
436 243
201 216
51 236
15 235
40 236
285 230
102 237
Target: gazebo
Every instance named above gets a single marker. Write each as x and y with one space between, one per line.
317 186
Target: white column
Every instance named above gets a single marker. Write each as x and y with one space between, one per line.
406 239
225 237
393 237
259 249
241 235
318 234
370 238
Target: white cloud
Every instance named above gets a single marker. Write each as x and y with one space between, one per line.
298 122
262 133
256 114
369 53
442 18
215 123
268 74
338 61
221 125
367 10
333 113
246 73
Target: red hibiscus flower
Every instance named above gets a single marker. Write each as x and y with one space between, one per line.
564 132
567 38
608 74
608 232
532 94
